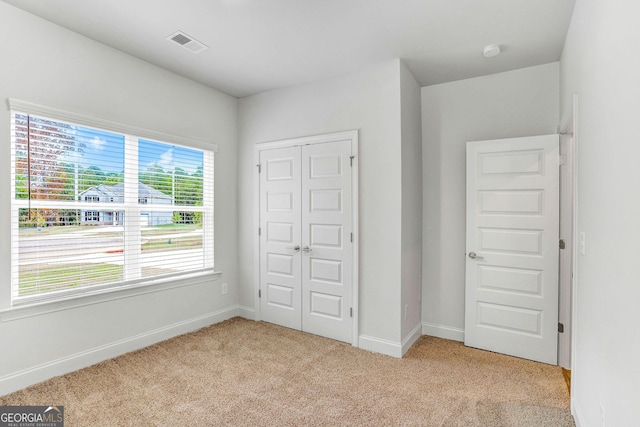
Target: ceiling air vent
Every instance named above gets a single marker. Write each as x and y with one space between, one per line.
187 42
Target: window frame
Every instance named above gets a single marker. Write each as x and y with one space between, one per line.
129 131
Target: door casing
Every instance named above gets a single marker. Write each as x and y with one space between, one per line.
308 140
569 291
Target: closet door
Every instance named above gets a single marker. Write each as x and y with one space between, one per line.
326 240
280 224
306 249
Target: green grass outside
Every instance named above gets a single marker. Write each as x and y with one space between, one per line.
43 278
48 231
176 226
169 229
159 245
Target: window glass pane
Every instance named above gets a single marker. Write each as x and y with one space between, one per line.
74 185
60 161
172 247
57 252
100 161
169 174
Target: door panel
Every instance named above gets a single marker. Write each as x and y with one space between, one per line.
512 247
280 221
326 232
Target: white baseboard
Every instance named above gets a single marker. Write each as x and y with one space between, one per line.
411 338
24 378
442 331
248 313
378 345
577 413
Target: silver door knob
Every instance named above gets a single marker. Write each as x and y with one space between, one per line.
306 249
474 255
296 248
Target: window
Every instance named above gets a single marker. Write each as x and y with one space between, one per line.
95 208
91 216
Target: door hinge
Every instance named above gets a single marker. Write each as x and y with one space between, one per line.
259 293
560 327
351 160
351 312
351 237
259 231
563 160
259 166
562 244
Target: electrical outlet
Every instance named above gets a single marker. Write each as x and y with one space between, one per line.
406 309
225 288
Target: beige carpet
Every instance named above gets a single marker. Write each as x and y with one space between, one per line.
245 373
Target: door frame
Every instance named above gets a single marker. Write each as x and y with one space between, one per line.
567 348
351 135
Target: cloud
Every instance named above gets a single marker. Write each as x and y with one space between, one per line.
166 159
98 143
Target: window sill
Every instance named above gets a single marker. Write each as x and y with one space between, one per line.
101 296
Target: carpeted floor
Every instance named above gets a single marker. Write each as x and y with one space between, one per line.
245 373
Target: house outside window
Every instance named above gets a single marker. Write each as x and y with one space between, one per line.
148 202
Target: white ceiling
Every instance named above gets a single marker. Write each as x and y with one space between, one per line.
258 45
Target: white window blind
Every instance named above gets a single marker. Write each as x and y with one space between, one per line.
95 209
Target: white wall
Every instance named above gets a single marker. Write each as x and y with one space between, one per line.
411 278
369 101
52 66
601 64
516 103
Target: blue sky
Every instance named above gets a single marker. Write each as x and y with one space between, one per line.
168 156
106 150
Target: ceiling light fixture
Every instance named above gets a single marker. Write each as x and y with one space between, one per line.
491 50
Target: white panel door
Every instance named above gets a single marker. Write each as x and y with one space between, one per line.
280 222
326 240
306 249
511 302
